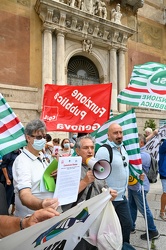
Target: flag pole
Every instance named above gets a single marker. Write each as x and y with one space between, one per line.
145 215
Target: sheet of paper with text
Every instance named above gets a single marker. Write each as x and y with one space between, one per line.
68 179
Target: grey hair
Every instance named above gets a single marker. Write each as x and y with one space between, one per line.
34 126
79 139
142 138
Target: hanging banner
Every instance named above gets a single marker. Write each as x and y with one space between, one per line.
76 108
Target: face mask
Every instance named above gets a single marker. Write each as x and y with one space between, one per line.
74 136
66 145
39 144
116 145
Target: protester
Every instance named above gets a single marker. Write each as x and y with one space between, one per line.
135 195
65 150
73 139
7 176
162 172
3 203
118 179
48 148
0 159
56 147
149 133
89 185
85 147
28 169
9 225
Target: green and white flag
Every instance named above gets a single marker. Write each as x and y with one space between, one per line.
11 130
147 87
128 123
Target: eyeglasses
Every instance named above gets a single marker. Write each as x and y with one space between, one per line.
123 159
38 137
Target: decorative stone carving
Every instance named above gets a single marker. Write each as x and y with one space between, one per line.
68 23
116 14
150 35
55 19
80 24
100 9
87 6
79 27
97 7
133 4
49 15
90 30
87 46
71 3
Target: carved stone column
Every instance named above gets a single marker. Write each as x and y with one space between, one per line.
122 76
113 77
60 58
47 57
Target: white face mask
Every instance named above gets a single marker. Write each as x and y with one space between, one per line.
39 144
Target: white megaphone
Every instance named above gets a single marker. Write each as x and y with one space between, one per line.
101 168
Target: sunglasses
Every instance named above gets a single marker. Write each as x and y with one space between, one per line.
38 137
123 159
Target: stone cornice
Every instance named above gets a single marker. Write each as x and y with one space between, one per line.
77 24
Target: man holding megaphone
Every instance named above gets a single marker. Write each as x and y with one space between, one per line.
93 172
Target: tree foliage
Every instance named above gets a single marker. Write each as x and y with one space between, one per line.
150 123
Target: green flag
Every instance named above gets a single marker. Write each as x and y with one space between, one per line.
147 87
11 129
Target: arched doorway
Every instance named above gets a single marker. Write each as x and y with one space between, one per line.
82 70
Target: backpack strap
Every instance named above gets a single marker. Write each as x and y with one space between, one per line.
109 150
81 193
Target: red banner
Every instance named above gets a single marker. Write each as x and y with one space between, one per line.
76 108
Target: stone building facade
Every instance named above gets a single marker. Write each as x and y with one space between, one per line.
77 42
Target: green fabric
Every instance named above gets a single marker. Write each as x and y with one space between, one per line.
49 181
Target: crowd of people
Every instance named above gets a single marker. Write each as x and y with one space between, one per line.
23 169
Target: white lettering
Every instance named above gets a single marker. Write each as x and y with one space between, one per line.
79 128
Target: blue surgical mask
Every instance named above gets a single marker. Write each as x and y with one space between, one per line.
66 145
116 145
39 144
74 136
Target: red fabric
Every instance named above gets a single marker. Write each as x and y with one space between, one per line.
76 108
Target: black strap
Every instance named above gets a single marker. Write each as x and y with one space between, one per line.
81 193
89 192
109 150
79 196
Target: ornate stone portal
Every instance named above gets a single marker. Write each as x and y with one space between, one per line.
74 26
